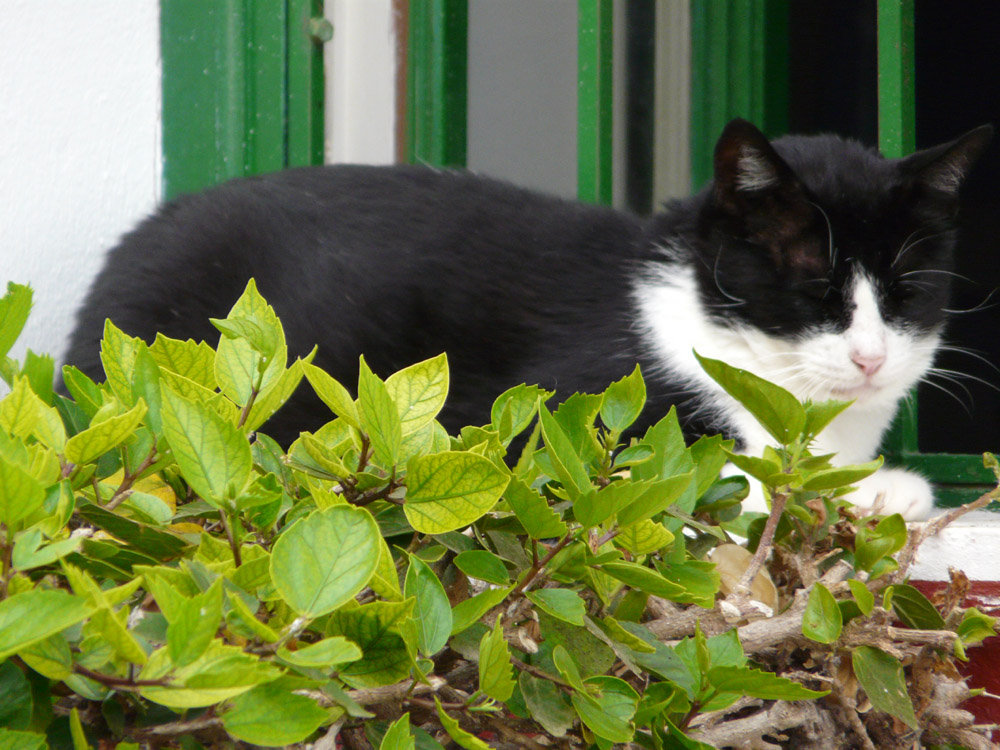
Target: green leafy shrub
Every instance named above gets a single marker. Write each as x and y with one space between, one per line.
171 576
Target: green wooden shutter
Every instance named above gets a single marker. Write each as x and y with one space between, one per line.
242 88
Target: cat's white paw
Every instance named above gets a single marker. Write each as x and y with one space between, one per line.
902 492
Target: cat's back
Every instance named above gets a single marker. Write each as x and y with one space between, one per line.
330 243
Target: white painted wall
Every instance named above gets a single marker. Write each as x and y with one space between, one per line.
79 145
360 64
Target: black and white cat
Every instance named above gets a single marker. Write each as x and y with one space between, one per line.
812 262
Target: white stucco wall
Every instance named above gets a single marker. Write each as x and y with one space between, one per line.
79 145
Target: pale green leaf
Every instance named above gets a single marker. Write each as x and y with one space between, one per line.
533 511
194 361
333 394
623 401
98 439
419 391
433 610
213 456
450 490
758 684
272 716
14 308
325 559
398 735
461 737
325 653
33 616
495 668
563 604
379 416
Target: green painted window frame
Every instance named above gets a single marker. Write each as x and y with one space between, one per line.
242 88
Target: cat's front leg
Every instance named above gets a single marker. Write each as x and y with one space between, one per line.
901 491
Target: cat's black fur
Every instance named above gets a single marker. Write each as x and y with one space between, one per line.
401 263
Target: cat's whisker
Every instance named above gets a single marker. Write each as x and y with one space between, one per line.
954 375
940 387
937 270
715 278
907 245
829 231
970 352
981 306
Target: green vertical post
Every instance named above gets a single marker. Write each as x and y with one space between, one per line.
896 84
594 100
739 68
437 86
307 32
242 89
896 138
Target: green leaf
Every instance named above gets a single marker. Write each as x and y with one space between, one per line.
864 598
12 740
77 736
533 511
15 697
660 495
520 404
699 578
822 621
758 684
820 414
841 476
379 416
432 610
14 308
222 672
976 626
450 490
274 396
777 410
84 391
398 735
469 611
325 559
33 616
495 668
325 653
609 713
759 468
382 631
30 553
564 604
461 737
643 578
20 494
333 394
484 565
567 667
118 352
871 545
194 624
915 609
50 658
98 439
194 361
623 401
272 716
546 704
565 459
252 353
881 676
212 454
419 392
644 537
23 414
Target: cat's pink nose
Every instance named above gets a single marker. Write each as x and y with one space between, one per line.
869 364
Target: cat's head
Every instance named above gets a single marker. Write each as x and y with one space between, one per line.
833 262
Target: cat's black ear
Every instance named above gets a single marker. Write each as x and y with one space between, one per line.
747 166
941 170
